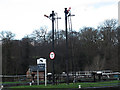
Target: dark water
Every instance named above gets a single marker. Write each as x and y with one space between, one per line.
108 88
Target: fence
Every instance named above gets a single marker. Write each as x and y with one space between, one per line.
81 76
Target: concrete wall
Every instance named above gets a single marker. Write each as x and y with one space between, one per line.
119 13
0 62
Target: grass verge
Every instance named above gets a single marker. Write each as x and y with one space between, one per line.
71 85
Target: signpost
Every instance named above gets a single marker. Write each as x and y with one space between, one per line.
52 55
41 62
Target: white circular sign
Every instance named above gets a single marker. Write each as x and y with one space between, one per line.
52 55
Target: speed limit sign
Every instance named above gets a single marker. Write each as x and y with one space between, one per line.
52 55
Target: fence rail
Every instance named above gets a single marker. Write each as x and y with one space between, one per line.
78 76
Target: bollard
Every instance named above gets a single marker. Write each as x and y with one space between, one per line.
79 86
1 87
117 78
32 81
30 84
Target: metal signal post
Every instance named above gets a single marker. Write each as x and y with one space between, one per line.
66 13
52 17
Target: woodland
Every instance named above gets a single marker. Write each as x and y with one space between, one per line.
88 49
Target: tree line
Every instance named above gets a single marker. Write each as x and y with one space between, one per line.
88 49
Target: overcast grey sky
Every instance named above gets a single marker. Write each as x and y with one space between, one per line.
22 17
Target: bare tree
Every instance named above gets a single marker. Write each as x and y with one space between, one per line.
97 63
39 35
6 35
108 36
112 23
